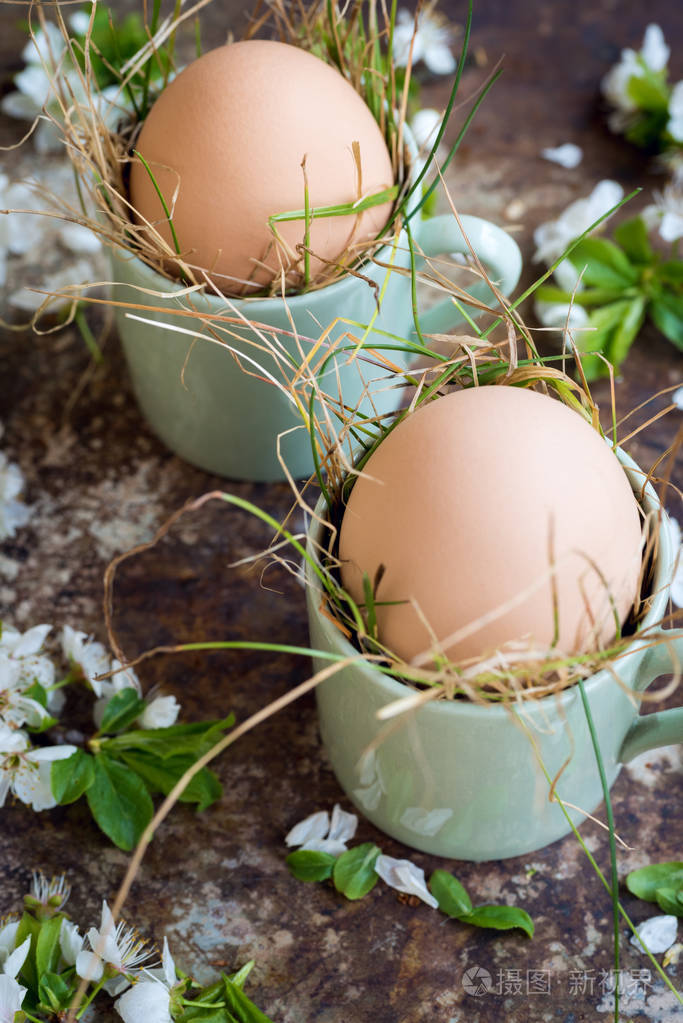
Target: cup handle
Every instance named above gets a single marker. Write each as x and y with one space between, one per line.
665 727
498 252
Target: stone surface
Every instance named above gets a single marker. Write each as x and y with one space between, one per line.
99 482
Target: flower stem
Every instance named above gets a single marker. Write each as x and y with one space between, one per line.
95 991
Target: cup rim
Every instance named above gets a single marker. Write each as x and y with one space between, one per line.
395 689
214 303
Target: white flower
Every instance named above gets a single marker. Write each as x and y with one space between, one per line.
161 712
85 656
567 155
70 942
425 126
13 514
27 772
666 214
555 314
24 644
116 951
52 893
150 998
431 45
553 237
675 124
656 934
8 935
108 687
654 54
11 992
11 998
674 530
405 877
318 833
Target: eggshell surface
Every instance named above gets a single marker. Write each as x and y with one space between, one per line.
473 504
225 142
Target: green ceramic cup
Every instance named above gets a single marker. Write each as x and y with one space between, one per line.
215 415
462 780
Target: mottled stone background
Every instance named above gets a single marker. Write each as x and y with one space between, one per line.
99 482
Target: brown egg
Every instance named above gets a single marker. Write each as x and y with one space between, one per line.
463 503
225 142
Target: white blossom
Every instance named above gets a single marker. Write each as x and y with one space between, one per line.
108 687
654 55
50 892
671 525
431 44
425 125
656 934
666 213
677 398
553 237
675 123
150 998
116 951
11 992
35 97
8 935
11 998
85 656
405 876
317 832
26 771
13 513
161 712
567 155
70 942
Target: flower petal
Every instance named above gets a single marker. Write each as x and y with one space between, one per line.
656 934
567 155
16 960
405 877
90 966
11 998
147 1000
343 825
313 827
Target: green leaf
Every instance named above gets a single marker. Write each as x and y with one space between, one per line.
242 1008
54 992
606 265
670 900
667 314
500 918
29 927
587 298
194 739
121 711
311 865
450 894
72 777
649 91
626 331
671 272
205 1015
644 882
38 693
119 802
354 871
161 776
633 238
47 945
241 975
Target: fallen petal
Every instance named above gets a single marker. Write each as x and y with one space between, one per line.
656 934
567 155
311 828
405 877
